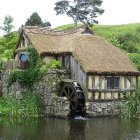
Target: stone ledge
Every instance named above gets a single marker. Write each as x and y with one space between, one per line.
98 109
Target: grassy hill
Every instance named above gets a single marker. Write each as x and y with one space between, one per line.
126 37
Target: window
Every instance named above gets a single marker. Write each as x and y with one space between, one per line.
113 82
23 57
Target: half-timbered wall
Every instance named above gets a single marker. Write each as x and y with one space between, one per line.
77 73
97 87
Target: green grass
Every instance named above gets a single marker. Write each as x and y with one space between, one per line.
107 30
29 106
131 106
67 27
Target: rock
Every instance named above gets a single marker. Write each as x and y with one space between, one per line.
19 95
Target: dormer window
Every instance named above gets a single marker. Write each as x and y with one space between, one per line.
87 31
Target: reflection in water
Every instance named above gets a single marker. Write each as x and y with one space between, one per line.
60 129
77 130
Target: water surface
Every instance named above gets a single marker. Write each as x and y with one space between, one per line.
72 129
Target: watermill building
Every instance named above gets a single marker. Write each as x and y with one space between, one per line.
104 71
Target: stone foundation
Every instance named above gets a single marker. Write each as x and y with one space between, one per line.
97 109
52 104
57 106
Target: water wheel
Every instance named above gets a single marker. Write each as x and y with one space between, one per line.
73 91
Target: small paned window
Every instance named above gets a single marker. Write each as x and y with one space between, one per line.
113 82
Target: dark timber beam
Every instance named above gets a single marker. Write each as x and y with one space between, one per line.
110 90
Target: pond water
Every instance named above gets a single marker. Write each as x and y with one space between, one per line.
72 129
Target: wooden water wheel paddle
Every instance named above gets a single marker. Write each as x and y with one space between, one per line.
73 91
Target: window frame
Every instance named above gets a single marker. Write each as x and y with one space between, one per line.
113 82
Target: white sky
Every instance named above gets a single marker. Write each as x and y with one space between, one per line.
116 12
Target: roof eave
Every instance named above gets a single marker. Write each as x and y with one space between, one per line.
44 54
114 73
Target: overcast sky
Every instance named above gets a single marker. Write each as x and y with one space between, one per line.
116 11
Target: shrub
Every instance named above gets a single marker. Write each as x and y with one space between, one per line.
126 42
54 64
136 59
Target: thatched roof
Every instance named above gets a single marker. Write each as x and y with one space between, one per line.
93 53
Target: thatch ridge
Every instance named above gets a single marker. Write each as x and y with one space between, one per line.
93 53
49 31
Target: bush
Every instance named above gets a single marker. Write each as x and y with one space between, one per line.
54 64
136 59
126 42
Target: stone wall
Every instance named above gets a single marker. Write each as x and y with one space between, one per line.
57 106
97 109
46 88
54 105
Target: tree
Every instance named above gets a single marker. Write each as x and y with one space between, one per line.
84 11
35 20
9 40
7 45
46 24
7 24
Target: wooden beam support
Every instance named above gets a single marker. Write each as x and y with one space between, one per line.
98 85
110 90
103 100
131 83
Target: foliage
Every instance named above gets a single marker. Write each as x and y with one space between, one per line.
116 42
126 42
29 106
9 40
84 11
35 70
7 24
136 59
54 64
7 45
35 20
131 106
31 74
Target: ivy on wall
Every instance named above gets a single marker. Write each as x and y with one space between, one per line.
35 70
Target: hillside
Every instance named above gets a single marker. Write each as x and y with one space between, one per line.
125 37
